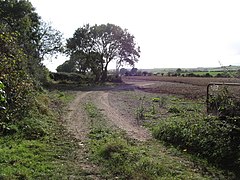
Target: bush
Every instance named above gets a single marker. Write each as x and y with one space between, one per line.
18 85
209 137
71 77
224 103
2 97
114 79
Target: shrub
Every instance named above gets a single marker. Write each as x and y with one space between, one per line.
2 97
208 137
224 103
72 77
18 85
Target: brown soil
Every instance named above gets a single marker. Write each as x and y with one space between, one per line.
119 119
189 87
78 124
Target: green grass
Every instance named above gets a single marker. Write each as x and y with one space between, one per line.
185 125
123 158
40 148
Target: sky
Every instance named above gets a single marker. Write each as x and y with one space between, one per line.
170 33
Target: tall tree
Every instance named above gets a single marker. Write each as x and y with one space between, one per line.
109 42
36 38
24 41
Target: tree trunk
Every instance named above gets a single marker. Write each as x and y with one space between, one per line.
104 74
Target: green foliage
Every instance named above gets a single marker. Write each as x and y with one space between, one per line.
141 109
2 97
238 73
174 109
156 99
150 107
67 66
224 103
44 150
62 77
207 137
123 158
36 38
94 47
24 40
18 85
182 123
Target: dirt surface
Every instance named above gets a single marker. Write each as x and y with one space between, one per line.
189 87
120 119
107 100
77 121
114 103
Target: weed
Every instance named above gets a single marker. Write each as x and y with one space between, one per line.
39 148
153 109
224 103
122 158
141 109
174 110
207 137
156 99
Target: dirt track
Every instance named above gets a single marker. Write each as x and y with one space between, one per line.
78 123
103 98
116 113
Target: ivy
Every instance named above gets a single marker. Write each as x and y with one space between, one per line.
2 96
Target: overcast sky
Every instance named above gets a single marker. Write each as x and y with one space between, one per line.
171 33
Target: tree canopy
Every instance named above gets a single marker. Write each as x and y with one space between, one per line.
36 38
24 42
92 48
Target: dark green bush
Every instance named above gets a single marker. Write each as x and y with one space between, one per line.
72 77
225 103
18 85
209 137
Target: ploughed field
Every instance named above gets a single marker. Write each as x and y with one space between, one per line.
189 87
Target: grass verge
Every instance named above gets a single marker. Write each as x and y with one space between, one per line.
40 148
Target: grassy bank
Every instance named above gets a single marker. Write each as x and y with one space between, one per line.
38 147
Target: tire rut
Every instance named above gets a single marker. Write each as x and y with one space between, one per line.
133 130
77 123
77 119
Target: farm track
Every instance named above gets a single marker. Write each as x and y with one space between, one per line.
104 98
78 123
77 120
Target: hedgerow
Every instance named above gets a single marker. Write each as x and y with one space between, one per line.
18 85
208 137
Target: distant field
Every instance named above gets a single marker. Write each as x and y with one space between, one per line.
201 71
211 73
190 87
